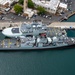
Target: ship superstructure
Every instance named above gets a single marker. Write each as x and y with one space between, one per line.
24 29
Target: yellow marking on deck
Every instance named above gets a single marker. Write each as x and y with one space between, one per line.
9 43
3 43
17 43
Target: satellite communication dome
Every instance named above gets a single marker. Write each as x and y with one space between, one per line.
49 40
55 39
38 40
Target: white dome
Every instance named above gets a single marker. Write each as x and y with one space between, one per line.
22 37
38 40
55 39
63 35
49 40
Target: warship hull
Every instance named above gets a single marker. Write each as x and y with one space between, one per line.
39 48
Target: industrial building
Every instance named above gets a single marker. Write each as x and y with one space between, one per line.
51 6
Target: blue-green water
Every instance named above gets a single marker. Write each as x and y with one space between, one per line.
50 62
70 33
71 19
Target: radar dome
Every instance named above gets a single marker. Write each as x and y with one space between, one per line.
49 40
38 40
55 39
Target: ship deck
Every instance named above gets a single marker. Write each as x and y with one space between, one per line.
9 43
15 44
54 31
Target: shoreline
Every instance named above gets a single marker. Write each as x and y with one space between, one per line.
67 17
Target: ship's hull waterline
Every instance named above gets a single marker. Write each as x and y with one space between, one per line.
40 48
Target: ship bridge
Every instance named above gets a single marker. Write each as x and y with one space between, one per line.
36 27
15 30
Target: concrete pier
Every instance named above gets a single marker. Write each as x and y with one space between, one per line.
8 24
65 25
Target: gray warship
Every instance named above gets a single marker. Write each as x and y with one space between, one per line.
35 36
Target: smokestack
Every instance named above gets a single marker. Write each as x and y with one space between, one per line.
25 4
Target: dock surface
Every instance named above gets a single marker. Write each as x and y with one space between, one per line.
63 24
8 24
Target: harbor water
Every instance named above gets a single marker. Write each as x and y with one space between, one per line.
45 62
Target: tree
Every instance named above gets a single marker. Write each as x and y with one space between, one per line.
18 9
41 10
30 4
21 1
